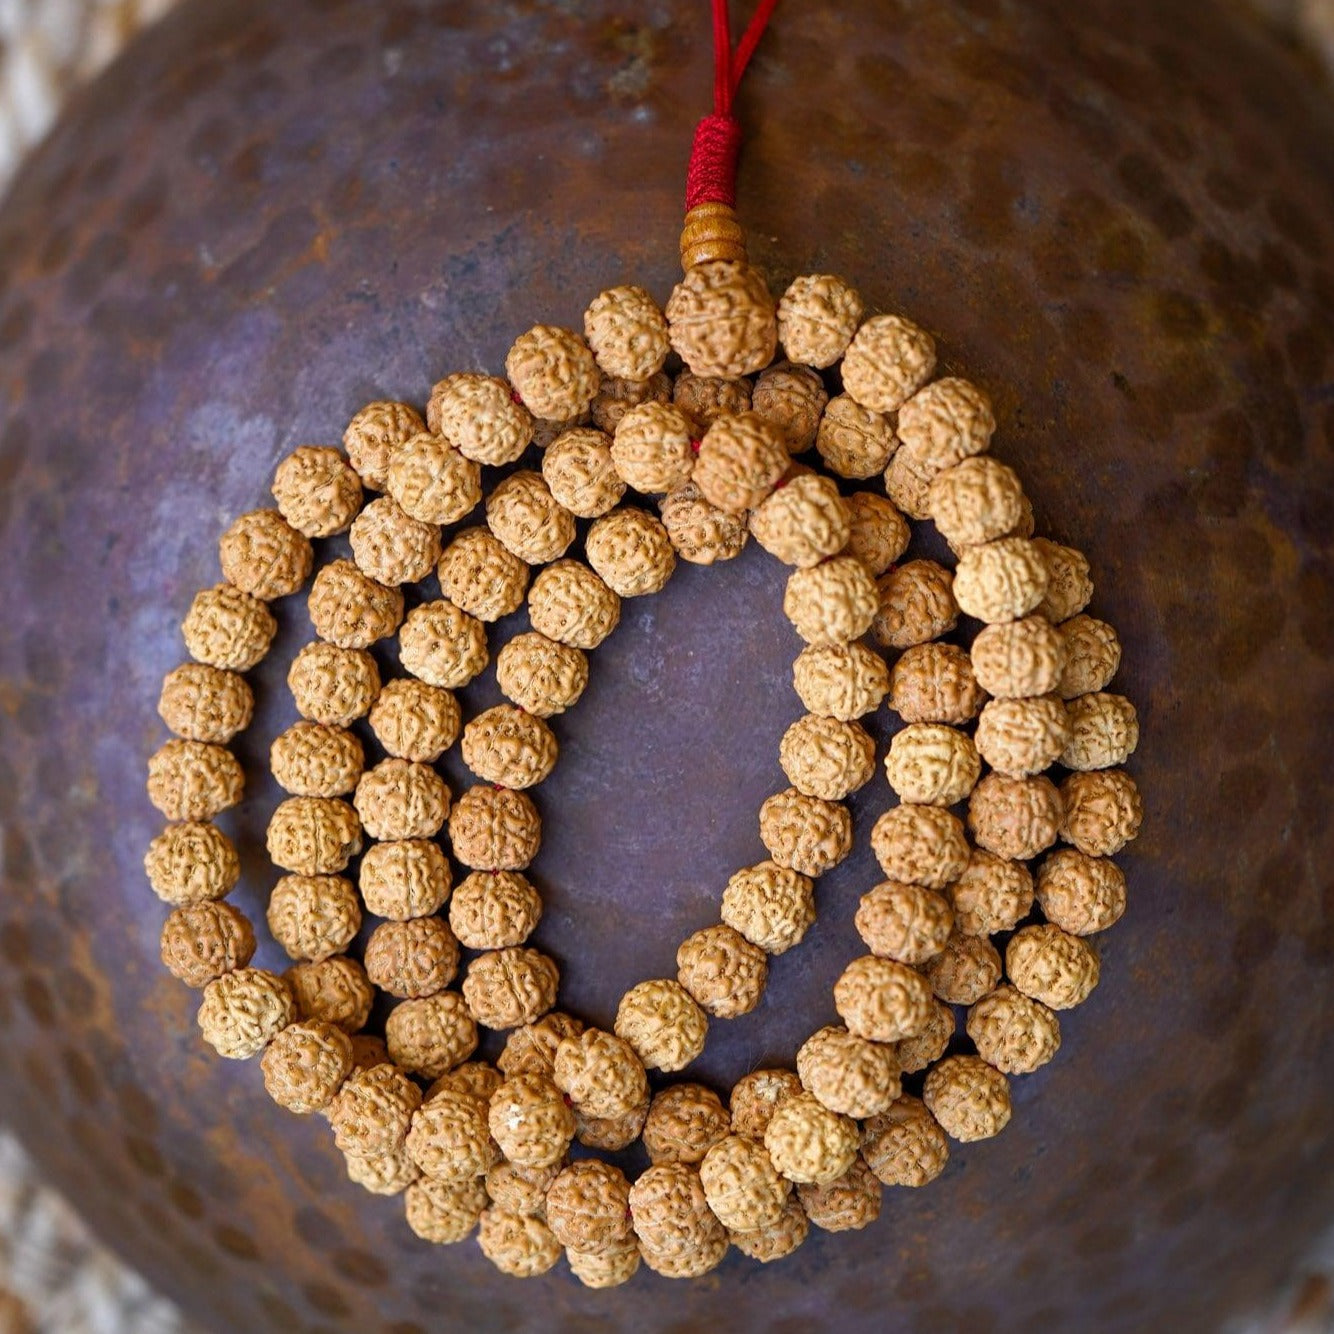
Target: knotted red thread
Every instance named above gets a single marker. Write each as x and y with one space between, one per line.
711 173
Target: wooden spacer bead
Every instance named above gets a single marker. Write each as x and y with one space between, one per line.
711 232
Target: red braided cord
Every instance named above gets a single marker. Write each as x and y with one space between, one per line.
711 173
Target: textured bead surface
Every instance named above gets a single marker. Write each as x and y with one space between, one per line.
991 895
601 1074
631 552
477 414
817 317
1103 811
920 845
528 520
569 603
905 1145
1092 656
203 941
877 533
412 959
677 1230
479 576
945 423
833 603
588 1206
705 398
313 835
756 1096
847 1203
777 1240
1013 1032
540 675
684 1122
1051 966
314 916
530 1121
415 721
652 448
1104 731
404 878
314 760
443 1213
700 532
1015 818
854 441
915 603
975 501
663 1023
934 683
1019 658
492 910
398 799
1001 580
335 990
533 1047
242 1011
882 1000
350 609
741 459
969 1098
373 1111
803 522
449 1139
1069 586
1021 737
305 1065
432 483
263 555
932 764
494 829
508 746
722 319
518 1246
202 703
803 833
909 923
442 645
743 1187
1081 894
193 862
333 685
825 758
578 470
375 434
924 1049
770 905
553 371
847 1073
193 780
511 986
318 492
228 628
790 398
626 332
888 360
430 1035
965 970
809 1143
723 972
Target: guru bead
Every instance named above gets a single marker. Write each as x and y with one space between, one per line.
202 703
1013 1032
540 675
530 1121
403 879
318 492
305 1066
243 1011
431 482
631 552
203 941
441 645
663 1024
1001 580
915 603
569 603
652 448
1051 966
723 972
553 372
847 1073
508 987
333 685
684 1122
430 1035
192 862
805 834
991 895
263 555
415 721
945 423
932 764
495 829
969 1098
825 758
314 916
479 576
770 905
578 470
192 780
833 603
904 1145
509 746
791 398
882 1000
477 414
627 333
1103 811
721 319
888 360
741 1184
228 628
1014 817
809 1143
920 845
1081 894
909 923
741 459
350 609
803 522
528 520
491 910
817 317
853 441
375 434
